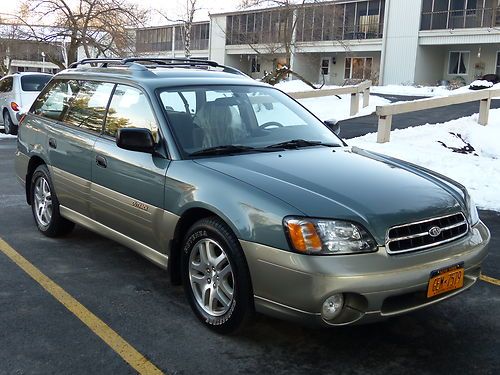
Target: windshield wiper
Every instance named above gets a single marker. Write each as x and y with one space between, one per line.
298 143
223 150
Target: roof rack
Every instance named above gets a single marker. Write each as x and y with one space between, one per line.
134 62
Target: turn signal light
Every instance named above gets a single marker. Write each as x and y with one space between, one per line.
303 236
14 106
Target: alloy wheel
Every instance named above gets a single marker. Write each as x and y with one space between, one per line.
211 277
43 201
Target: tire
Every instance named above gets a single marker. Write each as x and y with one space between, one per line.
8 125
45 206
220 297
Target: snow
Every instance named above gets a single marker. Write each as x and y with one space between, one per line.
6 136
479 172
331 107
481 83
411 90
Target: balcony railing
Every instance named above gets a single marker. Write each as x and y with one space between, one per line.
461 19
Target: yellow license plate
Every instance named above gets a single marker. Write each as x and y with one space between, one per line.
445 280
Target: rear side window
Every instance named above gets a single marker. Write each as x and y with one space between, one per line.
54 102
78 103
87 107
129 108
34 82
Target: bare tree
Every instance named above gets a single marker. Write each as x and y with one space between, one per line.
101 27
9 33
186 19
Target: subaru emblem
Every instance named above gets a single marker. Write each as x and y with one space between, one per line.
434 231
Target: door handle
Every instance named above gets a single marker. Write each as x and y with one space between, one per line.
101 161
52 143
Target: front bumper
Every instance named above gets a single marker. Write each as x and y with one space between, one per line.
375 286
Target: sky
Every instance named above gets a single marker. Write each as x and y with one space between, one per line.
171 7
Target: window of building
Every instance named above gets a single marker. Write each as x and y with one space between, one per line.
255 65
458 63
498 64
129 108
325 66
358 68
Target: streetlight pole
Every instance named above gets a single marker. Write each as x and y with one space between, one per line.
43 62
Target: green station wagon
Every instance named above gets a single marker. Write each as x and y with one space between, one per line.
243 195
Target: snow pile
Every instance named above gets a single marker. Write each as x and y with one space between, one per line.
479 170
481 83
5 136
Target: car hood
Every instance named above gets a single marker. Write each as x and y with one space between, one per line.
344 183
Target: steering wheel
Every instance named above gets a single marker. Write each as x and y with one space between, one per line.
269 124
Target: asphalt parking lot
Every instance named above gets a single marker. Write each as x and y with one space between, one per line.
39 335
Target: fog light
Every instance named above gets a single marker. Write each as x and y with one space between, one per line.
332 306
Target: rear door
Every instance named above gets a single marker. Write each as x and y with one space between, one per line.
127 186
71 114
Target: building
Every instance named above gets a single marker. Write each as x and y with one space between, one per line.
19 54
388 41
169 40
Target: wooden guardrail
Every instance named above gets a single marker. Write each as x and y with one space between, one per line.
356 91
386 112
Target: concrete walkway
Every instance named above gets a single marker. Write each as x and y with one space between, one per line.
368 124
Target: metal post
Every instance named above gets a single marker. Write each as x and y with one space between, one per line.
484 111
384 129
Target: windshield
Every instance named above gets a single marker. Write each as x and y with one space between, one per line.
35 82
254 117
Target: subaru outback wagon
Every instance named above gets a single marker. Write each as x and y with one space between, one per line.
243 195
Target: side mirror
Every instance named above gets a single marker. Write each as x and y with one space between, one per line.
333 125
135 139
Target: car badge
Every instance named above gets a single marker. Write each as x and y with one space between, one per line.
434 231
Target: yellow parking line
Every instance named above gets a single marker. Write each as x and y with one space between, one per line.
490 280
96 325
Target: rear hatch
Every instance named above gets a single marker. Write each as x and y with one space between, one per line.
31 85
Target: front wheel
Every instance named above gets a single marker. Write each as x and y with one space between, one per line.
215 276
45 205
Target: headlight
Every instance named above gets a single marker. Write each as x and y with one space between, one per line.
328 237
473 214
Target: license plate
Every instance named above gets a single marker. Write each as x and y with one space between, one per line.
445 280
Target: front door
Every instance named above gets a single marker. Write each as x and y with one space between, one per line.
128 186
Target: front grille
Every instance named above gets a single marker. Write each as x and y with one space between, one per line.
417 236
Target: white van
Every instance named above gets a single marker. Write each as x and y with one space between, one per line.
17 91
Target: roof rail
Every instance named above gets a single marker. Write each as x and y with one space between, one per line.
157 61
104 62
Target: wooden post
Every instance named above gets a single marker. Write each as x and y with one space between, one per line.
484 111
366 97
384 129
354 103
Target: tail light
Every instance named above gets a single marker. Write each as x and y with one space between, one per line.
14 106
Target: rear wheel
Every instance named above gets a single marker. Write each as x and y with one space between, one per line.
9 127
45 205
216 278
